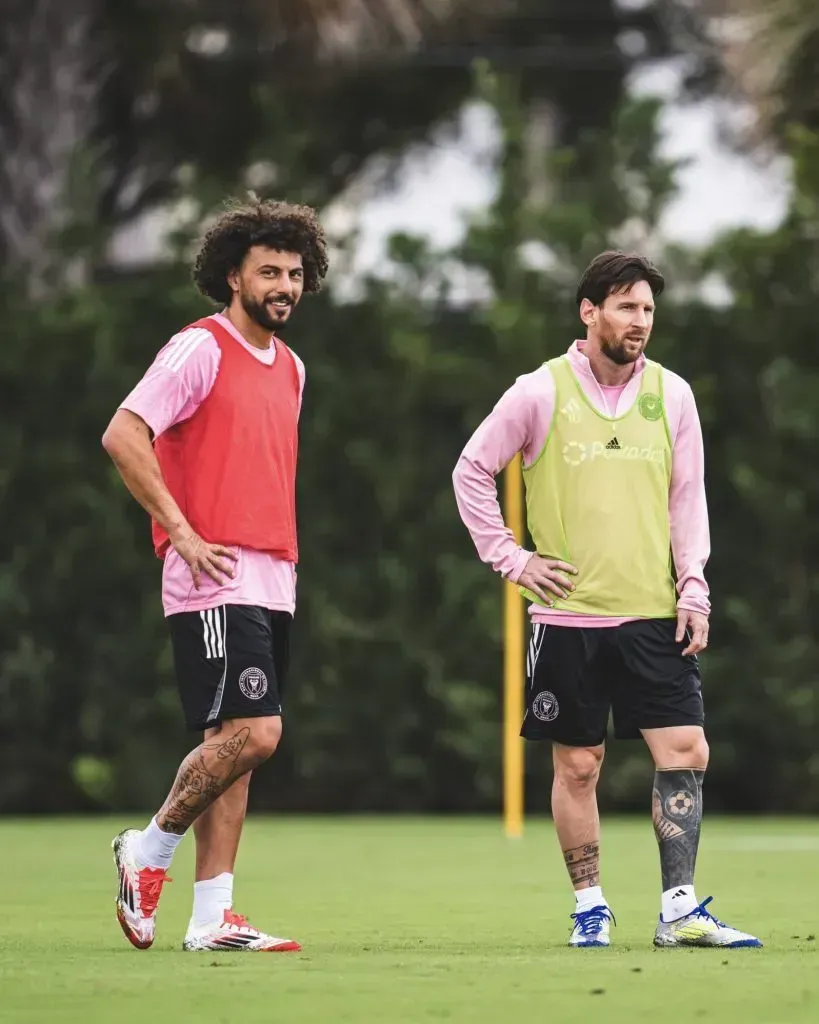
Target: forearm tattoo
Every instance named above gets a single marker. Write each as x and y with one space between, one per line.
583 863
677 813
203 776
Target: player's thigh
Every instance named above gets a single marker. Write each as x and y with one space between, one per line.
655 686
567 698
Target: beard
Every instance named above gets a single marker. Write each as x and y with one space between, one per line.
620 350
260 314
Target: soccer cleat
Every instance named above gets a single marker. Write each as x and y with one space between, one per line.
591 927
699 928
234 933
139 892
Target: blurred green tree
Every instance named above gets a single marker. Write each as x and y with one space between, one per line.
395 699
109 109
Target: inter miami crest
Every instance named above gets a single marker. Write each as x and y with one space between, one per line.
650 406
253 683
545 706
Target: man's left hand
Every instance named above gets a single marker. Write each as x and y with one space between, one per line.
696 624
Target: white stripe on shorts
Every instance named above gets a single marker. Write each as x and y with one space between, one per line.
205 617
220 620
213 633
535 644
218 630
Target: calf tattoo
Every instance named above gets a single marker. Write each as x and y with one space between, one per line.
203 776
677 813
583 863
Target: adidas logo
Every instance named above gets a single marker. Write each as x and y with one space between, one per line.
678 893
613 445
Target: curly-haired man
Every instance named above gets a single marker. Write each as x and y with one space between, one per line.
207 444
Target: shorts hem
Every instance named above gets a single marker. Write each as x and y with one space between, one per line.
230 717
635 732
572 741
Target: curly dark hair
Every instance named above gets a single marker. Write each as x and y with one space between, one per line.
612 272
282 226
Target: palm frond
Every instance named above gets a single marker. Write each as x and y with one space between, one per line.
334 29
770 52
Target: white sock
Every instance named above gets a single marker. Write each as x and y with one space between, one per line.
678 902
154 848
211 899
590 897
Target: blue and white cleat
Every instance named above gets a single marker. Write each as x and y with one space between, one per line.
591 927
699 928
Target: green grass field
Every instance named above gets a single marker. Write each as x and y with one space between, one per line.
410 920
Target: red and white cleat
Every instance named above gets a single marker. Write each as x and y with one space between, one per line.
139 892
234 933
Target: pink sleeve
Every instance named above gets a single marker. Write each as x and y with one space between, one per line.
518 423
177 382
302 375
687 505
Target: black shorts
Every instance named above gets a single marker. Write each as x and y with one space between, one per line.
231 662
637 672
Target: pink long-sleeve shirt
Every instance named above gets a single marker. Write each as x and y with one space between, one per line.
520 423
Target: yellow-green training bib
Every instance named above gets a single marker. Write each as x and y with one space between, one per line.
597 496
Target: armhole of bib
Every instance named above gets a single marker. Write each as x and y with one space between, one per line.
661 386
539 456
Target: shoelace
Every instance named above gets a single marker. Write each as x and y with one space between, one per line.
151 881
236 920
591 921
700 911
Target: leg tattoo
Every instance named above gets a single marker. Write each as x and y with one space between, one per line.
677 813
204 774
583 864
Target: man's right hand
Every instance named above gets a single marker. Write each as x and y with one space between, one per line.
547 578
213 559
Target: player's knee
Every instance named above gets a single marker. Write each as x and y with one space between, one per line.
265 734
699 752
578 767
689 749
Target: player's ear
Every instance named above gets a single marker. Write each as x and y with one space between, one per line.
233 279
588 312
